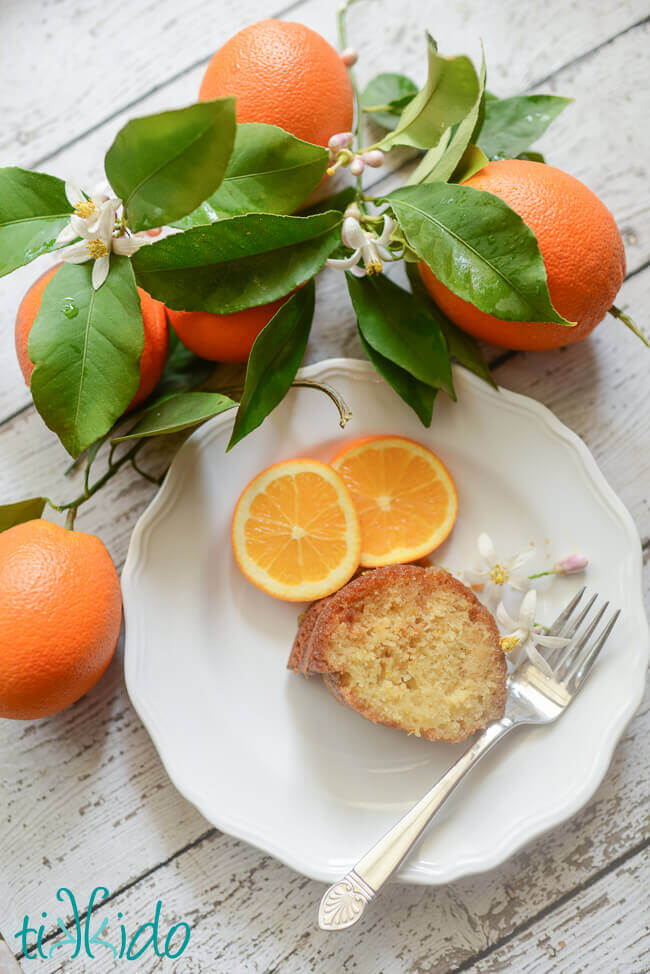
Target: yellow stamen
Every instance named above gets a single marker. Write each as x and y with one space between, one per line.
508 643
499 574
85 209
97 248
374 267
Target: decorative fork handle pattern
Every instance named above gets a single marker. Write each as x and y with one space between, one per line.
344 902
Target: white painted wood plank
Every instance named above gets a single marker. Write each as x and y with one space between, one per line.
249 913
595 157
66 67
99 780
602 930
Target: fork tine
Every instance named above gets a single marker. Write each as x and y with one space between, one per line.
574 652
554 629
554 657
583 666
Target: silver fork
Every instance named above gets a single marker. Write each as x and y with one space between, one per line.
533 698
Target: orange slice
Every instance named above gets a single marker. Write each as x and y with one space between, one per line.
295 532
404 496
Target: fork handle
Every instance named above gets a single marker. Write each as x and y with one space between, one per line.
345 901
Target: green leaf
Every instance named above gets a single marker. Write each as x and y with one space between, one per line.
440 162
532 156
386 96
33 211
472 161
162 166
27 510
274 361
183 369
177 412
512 124
86 364
402 330
270 171
337 201
451 90
418 395
463 347
237 263
478 247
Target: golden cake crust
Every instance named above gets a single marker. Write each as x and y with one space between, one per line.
312 646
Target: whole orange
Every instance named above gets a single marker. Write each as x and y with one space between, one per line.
285 74
60 617
580 243
222 338
156 335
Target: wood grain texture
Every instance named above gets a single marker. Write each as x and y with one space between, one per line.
87 800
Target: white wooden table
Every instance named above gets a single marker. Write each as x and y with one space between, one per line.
85 800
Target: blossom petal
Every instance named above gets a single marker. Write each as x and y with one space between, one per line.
504 618
520 559
520 583
74 194
343 263
486 548
527 610
67 235
536 657
358 271
352 233
74 254
129 245
387 229
101 268
551 642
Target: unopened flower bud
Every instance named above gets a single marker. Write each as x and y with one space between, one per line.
357 166
571 564
374 158
353 211
340 141
349 56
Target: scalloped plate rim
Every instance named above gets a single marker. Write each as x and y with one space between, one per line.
418 873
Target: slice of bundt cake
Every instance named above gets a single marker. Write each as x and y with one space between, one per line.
408 647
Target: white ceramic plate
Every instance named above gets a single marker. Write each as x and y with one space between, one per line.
271 757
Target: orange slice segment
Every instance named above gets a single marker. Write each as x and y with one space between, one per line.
404 496
295 531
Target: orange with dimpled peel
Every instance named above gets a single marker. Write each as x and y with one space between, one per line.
404 495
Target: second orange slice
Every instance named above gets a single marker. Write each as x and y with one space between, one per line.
404 495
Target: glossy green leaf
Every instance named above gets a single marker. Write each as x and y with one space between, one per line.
21 511
463 347
472 161
87 364
162 166
177 412
33 211
440 162
450 91
270 171
401 329
183 369
274 361
478 247
386 96
512 124
237 263
532 156
418 395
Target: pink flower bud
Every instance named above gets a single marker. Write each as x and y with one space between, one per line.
571 564
340 141
349 56
357 166
374 158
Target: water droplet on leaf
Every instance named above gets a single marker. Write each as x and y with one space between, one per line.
69 308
